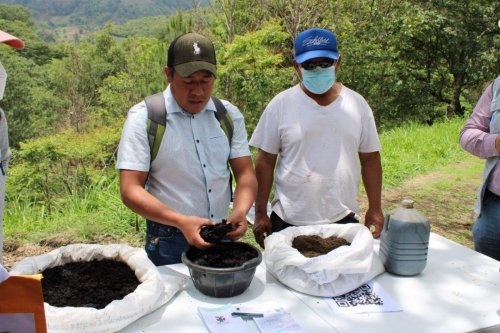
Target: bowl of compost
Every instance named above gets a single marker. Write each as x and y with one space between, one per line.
224 270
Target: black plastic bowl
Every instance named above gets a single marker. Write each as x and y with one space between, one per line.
222 282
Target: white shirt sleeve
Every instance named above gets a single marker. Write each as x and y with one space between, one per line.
266 135
133 150
370 141
239 141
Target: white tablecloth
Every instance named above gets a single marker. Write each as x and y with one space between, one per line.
458 291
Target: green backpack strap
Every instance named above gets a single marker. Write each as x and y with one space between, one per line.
225 120
157 121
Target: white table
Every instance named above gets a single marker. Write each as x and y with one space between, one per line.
458 291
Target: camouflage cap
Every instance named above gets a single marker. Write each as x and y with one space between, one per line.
190 53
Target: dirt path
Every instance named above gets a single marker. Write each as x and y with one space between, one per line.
445 197
14 252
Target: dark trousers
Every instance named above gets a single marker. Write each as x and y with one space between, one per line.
486 230
164 243
278 224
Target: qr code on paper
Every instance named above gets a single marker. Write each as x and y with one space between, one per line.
363 295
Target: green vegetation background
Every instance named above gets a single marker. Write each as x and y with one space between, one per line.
421 65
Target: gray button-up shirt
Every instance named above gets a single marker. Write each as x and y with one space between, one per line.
190 173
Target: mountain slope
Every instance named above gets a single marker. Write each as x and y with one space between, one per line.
79 16
99 11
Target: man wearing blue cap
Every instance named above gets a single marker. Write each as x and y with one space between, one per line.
322 132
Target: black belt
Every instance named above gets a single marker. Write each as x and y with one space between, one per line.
278 224
349 218
351 215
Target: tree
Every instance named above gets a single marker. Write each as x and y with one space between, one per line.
141 75
298 15
35 48
237 17
26 97
451 46
176 26
368 35
227 8
77 78
16 13
23 75
255 64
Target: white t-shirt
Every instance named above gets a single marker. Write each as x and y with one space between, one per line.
317 173
190 172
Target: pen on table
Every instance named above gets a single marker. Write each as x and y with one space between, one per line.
247 314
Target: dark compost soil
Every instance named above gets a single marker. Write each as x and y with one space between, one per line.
314 246
92 284
222 255
216 232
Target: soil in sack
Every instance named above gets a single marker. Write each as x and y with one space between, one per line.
313 245
222 255
92 284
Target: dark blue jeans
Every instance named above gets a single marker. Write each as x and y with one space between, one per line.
278 224
164 244
486 230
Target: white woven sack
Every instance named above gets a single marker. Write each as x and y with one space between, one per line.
153 291
333 274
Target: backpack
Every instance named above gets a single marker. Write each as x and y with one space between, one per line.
157 123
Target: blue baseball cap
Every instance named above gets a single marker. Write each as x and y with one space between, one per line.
315 43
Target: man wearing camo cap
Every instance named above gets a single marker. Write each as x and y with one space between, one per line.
187 181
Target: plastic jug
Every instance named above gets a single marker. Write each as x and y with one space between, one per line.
404 240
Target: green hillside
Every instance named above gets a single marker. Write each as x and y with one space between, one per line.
71 19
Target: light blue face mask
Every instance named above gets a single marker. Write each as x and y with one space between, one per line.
318 80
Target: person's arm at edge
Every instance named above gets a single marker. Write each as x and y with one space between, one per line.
244 195
371 172
474 136
264 169
135 197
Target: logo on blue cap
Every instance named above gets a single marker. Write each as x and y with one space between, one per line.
315 43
